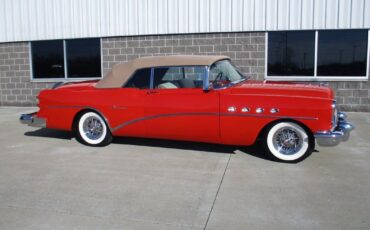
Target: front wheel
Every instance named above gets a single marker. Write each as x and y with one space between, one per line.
92 130
288 142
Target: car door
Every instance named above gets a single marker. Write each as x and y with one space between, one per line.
177 107
128 105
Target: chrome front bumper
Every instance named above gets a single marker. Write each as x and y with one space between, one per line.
31 119
339 134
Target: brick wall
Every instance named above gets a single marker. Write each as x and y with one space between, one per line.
247 51
15 85
352 96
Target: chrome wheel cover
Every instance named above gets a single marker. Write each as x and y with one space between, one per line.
93 128
287 141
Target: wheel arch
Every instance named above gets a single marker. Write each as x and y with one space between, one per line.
265 129
88 109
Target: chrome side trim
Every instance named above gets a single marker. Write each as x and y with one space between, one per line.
269 116
274 110
231 109
113 129
161 115
205 114
245 110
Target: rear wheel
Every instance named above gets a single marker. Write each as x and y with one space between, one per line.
92 130
288 142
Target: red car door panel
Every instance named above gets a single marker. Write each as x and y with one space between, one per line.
127 107
189 114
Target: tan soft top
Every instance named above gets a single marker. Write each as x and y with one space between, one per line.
120 73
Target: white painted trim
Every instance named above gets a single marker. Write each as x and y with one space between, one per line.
368 54
53 80
101 58
321 78
315 54
266 53
65 59
30 59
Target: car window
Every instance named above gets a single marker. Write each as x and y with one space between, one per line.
178 77
140 79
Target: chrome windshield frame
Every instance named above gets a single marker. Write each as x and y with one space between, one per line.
206 79
206 85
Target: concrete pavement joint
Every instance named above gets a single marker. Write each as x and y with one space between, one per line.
218 189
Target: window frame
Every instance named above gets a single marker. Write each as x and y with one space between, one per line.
204 78
66 78
133 74
315 77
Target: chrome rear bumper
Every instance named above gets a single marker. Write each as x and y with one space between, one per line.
339 134
31 119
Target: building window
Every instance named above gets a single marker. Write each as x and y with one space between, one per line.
66 59
83 58
310 55
291 53
342 53
47 59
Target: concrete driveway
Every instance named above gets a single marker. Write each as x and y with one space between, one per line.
50 181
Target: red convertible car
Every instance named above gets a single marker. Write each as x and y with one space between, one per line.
194 98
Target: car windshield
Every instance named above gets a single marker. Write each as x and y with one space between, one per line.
223 74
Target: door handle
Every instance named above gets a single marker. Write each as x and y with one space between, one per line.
151 92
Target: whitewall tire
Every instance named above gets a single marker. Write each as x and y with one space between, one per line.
92 130
288 142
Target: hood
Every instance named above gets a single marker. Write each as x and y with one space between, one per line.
286 89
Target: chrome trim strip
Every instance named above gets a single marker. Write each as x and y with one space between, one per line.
151 80
245 110
204 114
161 115
260 110
206 79
113 129
274 110
269 116
231 109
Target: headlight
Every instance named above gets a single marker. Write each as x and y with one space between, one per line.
334 119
